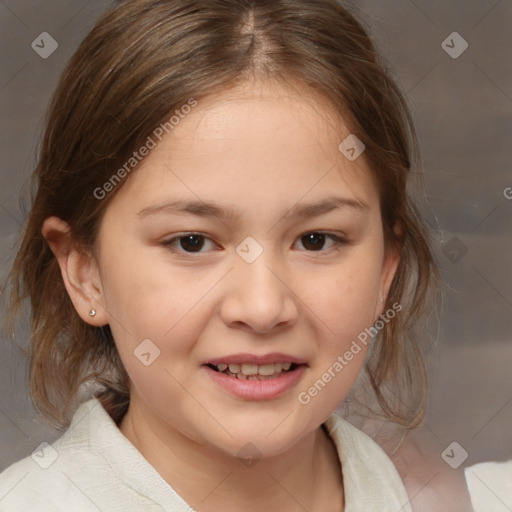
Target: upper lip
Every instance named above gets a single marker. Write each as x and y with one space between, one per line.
275 357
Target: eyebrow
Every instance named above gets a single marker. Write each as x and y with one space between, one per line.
210 209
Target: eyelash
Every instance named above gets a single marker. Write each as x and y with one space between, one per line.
335 238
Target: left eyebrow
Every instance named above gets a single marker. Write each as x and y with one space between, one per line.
209 209
326 206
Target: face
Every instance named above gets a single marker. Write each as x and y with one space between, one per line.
244 243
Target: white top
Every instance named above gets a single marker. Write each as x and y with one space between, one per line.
490 486
93 466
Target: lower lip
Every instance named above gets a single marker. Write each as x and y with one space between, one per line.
257 389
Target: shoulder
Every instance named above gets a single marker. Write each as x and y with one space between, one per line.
430 481
370 478
26 486
49 475
359 449
428 478
490 485
91 467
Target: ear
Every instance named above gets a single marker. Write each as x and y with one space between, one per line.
79 271
390 264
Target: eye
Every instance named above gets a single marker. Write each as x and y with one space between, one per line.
315 240
189 242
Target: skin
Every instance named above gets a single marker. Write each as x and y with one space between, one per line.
258 149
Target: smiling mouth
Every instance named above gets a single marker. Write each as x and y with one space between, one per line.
249 371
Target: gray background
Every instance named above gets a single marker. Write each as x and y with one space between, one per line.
463 112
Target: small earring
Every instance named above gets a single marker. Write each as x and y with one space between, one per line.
381 299
92 312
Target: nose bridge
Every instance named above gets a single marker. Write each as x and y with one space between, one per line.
257 295
255 270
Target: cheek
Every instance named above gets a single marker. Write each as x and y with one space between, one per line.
150 301
343 341
344 299
343 305
144 294
153 315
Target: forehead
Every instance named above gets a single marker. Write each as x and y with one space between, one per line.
255 113
255 143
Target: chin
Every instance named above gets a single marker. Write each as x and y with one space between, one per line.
263 438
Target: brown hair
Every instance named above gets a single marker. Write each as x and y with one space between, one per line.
143 60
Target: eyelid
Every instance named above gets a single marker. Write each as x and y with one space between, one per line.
168 243
337 239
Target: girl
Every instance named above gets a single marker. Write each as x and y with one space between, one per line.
220 241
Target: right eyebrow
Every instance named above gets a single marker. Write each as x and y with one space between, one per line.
198 208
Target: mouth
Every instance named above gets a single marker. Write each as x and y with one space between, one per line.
252 371
256 377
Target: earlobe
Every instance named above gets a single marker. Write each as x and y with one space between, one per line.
79 271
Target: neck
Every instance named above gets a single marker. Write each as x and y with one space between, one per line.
307 476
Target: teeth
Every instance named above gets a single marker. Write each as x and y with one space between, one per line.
266 369
249 371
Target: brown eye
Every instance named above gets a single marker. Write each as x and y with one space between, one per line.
192 243
188 243
313 241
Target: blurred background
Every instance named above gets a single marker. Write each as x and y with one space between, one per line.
452 59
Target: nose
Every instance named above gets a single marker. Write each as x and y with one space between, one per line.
258 297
